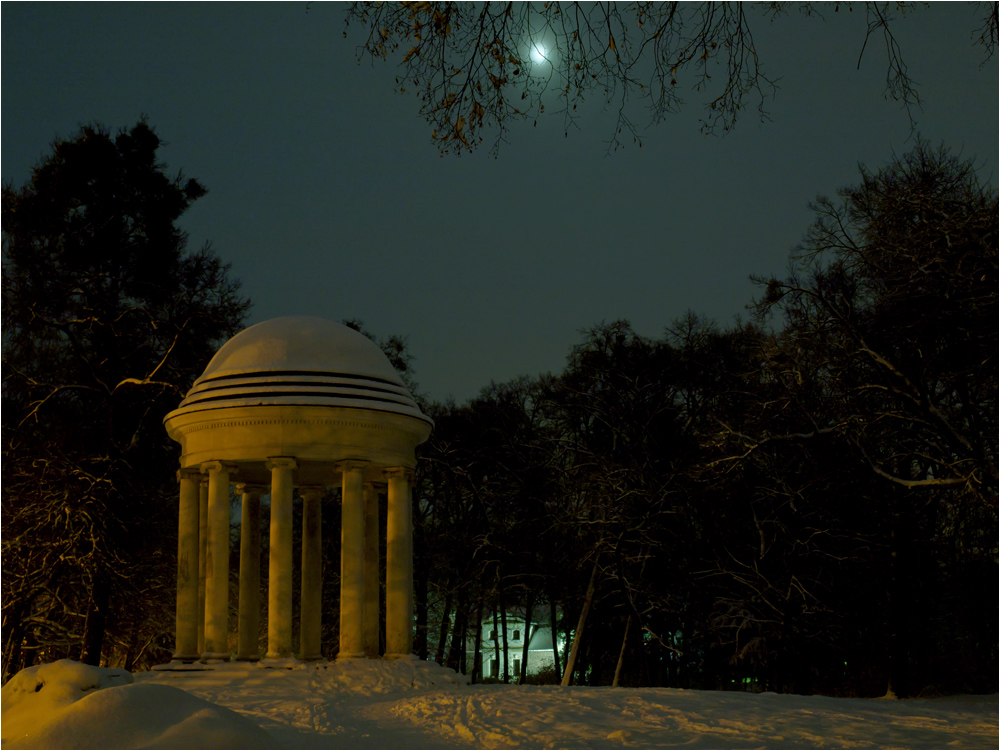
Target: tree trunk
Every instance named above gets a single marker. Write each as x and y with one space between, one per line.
526 636
29 650
496 644
578 637
503 631
454 659
133 644
445 623
477 659
13 637
899 598
420 588
94 627
584 674
555 634
621 654
463 651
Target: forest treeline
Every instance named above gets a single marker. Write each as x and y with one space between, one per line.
803 501
806 501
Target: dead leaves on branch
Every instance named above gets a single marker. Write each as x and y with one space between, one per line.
470 62
465 56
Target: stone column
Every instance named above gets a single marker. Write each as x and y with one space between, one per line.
352 561
399 566
311 594
202 558
249 618
371 599
217 566
279 579
188 564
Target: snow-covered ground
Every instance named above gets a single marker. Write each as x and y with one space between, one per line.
378 704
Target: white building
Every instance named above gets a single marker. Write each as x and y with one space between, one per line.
540 648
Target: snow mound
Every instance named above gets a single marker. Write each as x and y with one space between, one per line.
58 683
377 677
66 704
37 693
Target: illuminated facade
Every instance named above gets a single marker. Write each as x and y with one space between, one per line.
540 653
296 403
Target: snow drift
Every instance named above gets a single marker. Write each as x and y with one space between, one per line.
69 705
413 704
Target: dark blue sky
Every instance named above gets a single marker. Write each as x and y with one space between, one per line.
328 198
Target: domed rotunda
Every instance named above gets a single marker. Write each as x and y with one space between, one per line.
295 403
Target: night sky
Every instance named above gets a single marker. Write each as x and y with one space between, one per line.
328 198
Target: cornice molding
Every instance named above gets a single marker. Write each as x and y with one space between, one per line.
249 422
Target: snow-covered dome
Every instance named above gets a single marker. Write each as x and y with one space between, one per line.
300 360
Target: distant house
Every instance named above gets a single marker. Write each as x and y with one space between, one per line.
540 646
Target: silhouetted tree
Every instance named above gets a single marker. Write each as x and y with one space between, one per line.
889 351
107 319
396 349
617 409
895 294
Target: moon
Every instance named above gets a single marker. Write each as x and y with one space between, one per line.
538 53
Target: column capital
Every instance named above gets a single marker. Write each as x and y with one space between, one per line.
305 490
189 473
405 472
281 462
247 487
348 464
217 466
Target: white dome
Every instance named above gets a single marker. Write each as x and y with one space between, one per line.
300 360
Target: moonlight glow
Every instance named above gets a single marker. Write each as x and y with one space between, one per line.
538 53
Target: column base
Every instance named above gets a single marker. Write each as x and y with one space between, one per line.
279 663
311 658
350 656
193 657
210 658
409 656
247 658
179 665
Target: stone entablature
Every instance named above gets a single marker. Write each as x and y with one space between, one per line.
318 437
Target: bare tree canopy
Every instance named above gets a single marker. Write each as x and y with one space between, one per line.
893 294
478 67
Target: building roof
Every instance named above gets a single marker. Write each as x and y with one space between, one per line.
541 638
300 360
